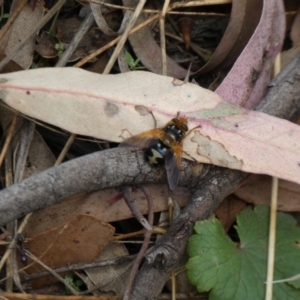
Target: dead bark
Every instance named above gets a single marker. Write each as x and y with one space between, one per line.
109 168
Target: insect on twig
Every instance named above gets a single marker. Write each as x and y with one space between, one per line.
163 146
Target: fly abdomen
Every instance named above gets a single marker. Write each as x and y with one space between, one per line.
155 154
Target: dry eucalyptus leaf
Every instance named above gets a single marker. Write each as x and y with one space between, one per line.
112 107
91 41
257 190
244 18
11 66
228 209
45 45
97 11
23 24
40 156
79 241
247 81
148 51
97 205
111 278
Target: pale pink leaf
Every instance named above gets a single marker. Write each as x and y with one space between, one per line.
247 81
244 18
113 107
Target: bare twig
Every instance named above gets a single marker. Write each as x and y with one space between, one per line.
144 246
77 267
8 139
82 30
155 230
127 195
13 243
52 272
65 149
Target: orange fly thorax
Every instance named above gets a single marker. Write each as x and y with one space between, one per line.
175 131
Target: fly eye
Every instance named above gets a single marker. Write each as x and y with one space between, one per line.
184 127
175 120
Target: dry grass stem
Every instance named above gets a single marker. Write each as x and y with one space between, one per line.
163 37
12 18
124 37
8 139
114 42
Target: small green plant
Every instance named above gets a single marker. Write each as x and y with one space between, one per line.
4 16
60 48
133 64
232 272
208 56
75 282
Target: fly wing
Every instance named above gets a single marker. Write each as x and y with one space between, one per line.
173 164
143 140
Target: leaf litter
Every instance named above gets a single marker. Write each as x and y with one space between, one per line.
215 121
